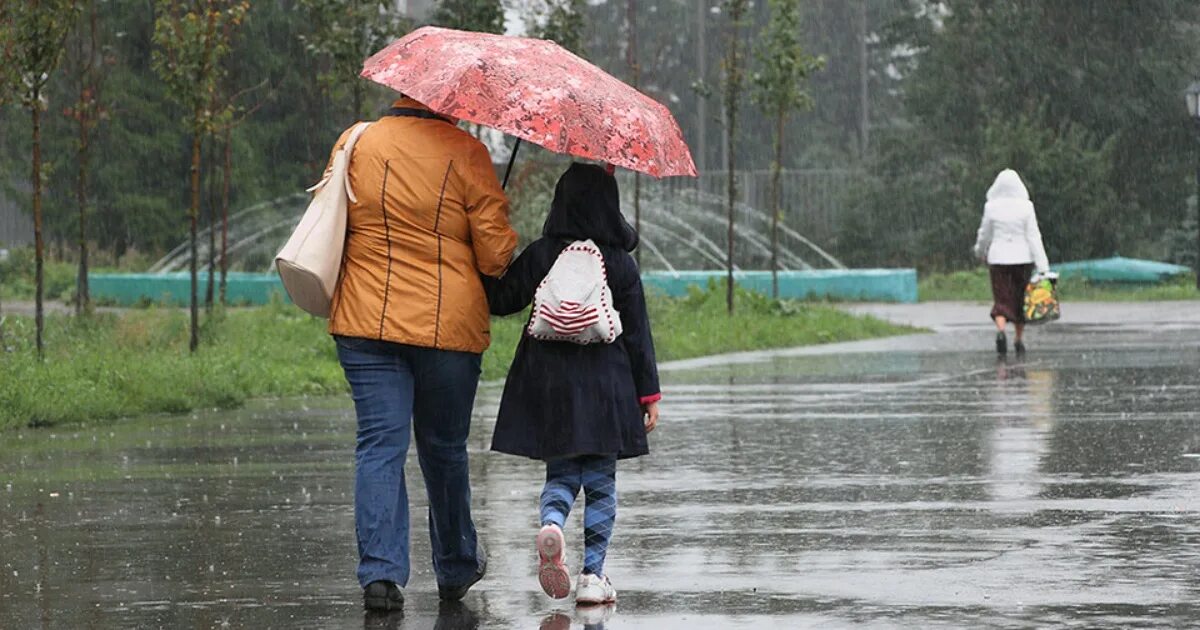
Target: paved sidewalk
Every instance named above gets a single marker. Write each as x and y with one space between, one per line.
912 482
963 315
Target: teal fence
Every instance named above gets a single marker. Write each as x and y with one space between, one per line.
130 289
852 285
875 285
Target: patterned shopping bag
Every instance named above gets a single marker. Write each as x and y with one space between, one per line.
1041 301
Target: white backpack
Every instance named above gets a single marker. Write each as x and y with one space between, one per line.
574 303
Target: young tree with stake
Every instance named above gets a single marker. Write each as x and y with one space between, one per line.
191 42
87 65
33 35
783 68
734 73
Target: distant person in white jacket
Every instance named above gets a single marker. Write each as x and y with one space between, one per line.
1011 243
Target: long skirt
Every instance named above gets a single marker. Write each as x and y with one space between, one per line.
1008 291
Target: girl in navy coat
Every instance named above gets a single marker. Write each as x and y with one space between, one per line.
579 408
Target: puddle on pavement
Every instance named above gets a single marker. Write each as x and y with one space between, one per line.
917 487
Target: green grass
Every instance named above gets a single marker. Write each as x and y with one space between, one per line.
109 365
698 324
16 279
974 286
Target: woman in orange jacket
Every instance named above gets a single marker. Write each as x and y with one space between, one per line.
411 320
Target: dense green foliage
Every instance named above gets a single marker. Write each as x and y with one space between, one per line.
111 366
483 16
141 154
561 21
341 36
1083 99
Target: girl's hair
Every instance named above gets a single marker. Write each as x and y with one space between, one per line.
587 205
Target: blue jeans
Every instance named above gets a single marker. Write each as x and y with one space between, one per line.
401 390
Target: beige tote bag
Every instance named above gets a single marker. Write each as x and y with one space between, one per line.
312 258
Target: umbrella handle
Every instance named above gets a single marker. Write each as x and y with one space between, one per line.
512 158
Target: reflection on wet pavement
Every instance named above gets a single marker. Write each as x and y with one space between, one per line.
914 482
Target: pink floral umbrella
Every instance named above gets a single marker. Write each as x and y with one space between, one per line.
537 91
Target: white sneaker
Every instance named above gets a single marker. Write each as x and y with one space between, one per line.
552 567
591 590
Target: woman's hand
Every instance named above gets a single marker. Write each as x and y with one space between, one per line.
651 415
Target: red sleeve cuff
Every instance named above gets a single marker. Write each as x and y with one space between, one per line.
652 398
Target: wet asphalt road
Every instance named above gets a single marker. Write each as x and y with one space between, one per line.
914 482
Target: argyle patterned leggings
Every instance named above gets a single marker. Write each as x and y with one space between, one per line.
597 476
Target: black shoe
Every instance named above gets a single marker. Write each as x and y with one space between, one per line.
455 593
1020 348
383 595
1001 343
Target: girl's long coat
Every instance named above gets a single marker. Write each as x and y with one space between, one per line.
563 399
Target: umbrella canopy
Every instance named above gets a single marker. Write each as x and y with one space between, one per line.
537 91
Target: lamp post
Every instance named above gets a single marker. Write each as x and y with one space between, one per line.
1193 104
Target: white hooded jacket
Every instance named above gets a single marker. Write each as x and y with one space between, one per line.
1009 234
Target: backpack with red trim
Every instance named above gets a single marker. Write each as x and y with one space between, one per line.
574 302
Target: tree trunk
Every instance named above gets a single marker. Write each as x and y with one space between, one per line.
702 101
632 61
38 245
731 187
225 210
777 171
194 217
82 297
732 87
863 80
87 97
212 224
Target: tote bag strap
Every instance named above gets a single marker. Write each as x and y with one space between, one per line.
349 149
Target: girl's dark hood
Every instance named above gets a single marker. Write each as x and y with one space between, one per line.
587 205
